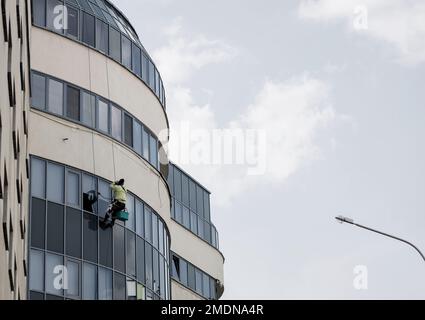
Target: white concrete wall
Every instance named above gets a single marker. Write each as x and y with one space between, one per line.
179 292
13 215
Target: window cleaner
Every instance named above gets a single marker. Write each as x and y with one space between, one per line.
117 209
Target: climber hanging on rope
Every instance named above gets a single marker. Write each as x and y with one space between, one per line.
117 208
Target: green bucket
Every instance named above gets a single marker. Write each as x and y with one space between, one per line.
121 215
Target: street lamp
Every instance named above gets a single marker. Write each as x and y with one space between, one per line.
342 219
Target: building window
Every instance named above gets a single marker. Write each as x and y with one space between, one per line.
52 263
105 249
191 277
72 22
136 54
38 223
126 52
119 249
183 272
137 137
145 68
145 144
88 112
148 224
177 184
140 254
105 284
55 100
185 190
103 116
148 266
90 226
38 178
73 233
36 270
73 103
73 189
102 36
139 218
55 183
128 130
131 253
119 286
116 121
38 92
89 281
115 44
193 222
55 18
73 289
55 225
39 12
88 29
186 217
151 75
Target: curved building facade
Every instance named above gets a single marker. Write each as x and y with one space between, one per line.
97 113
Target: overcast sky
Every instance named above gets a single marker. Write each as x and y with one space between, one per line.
338 87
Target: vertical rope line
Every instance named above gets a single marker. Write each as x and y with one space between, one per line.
92 131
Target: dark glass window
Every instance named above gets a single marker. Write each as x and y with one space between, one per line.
193 222
130 223
175 268
88 30
55 98
136 60
183 272
72 22
126 52
162 276
131 253
207 214
73 103
128 130
191 276
105 247
39 12
212 289
155 265
200 228
105 284
207 231
178 211
102 36
115 44
200 200
119 249
157 82
140 247
148 224
38 223
185 190
36 296
90 227
145 68
139 218
171 179
105 194
186 217
137 137
88 110
148 266
38 178
192 195
55 224
55 15
145 144
161 236
155 230
119 287
151 75
38 99
73 233
74 271
177 184
198 279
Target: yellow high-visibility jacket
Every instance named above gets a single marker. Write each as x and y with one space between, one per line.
119 192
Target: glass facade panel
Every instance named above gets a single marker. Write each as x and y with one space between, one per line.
39 12
131 253
126 52
105 284
102 40
128 130
103 116
37 270
73 189
54 267
119 286
119 249
89 281
88 29
114 44
88 110
116 120
55 225
90 226
137 137
38 223
38 178
73 232
38 99
55 17
55 97
72 30
55 182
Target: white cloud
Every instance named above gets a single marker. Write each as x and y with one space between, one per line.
400 23
291 113
185 54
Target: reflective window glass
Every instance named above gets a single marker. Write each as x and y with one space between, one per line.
186 217
73 269
136 60
72 22
140 249
90 226
199 280
105 284
88 110
128 130
73 189
55 182
116 121
114 44
88 30
55 15
89 193
55 98
139 218
131 253
38 223
119 287
137 137
105 249
103 116
183 272
148 224
38 99
148 265
153 144
126 51
36 270
145 144
38 178
39 12
119 249
155 230
89 281
102 36
54 266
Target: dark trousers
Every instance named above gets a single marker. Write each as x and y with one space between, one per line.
117 206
